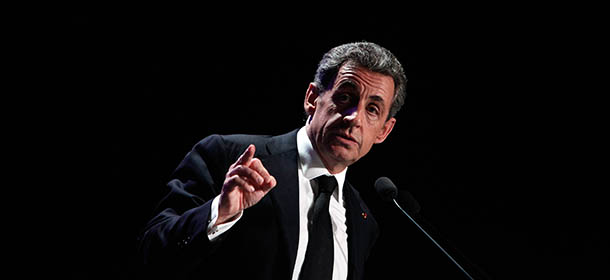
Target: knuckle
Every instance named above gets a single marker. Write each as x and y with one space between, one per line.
232 180
233 171
229 181
244 171
257 165
260 165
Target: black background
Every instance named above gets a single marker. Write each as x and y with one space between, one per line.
497 139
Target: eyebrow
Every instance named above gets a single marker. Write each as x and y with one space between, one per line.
377 98
349 84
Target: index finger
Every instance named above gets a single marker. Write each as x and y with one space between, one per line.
247 155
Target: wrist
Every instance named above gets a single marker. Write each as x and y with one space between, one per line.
225 213
219 222
225 218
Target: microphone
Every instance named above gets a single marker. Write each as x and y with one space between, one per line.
388 192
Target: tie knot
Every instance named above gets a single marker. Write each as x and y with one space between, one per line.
326 184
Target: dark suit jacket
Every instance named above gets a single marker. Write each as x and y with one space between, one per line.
263 243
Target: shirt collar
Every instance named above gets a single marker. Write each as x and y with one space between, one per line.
312 165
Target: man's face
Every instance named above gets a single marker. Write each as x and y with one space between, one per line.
351 116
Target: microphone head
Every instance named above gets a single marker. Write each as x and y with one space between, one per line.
386 189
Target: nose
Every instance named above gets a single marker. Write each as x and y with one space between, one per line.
352 115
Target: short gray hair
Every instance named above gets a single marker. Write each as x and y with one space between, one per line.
367 55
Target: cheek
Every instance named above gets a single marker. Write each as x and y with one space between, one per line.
324 111
367 144
369 137
330 110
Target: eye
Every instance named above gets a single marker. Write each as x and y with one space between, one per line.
373 109
343 98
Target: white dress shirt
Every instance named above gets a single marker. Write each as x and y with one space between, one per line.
310 167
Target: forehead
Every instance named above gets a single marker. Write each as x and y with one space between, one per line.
364 80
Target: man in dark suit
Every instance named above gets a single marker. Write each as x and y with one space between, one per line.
262 207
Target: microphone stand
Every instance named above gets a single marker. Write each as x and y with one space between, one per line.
434 241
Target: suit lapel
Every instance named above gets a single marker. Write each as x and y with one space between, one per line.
282 164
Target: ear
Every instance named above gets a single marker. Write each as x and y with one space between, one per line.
311 96
385 131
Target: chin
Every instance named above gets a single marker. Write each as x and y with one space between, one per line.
342 154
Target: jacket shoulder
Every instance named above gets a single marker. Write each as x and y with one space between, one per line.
234 145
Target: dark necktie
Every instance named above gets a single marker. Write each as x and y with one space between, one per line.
318 263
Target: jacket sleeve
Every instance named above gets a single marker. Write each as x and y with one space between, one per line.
178 232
